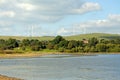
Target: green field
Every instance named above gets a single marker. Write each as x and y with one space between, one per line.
97 35
23 37
74 37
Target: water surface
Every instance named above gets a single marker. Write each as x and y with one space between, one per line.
63 67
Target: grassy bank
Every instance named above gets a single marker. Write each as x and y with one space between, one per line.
31 54
26 54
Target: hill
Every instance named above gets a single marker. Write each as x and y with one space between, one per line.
24 37
97 35
74 37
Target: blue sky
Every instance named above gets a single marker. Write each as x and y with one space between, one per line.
58 17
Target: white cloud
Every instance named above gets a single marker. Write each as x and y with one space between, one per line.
26 6
6 29
2 1
23 12
114 17
87 7
62 31
111 24
5 24
45 10
7 14
112 21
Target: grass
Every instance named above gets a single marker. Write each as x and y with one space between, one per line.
25 54
24 37
97 35
74 37
48 50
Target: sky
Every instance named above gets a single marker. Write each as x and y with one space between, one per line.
58 17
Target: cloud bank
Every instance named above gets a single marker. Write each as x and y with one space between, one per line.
18 15
108 25
44 10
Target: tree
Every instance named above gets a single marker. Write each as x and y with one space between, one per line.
72 44
93 41
44 44
92 49
50 46
35 48
35 42
61 49
25 42
63 43
112 41
56 47
104 41
101 47
113 47
57 39
35 45
86 49
80 43
80 49
2 44
11 43
117 41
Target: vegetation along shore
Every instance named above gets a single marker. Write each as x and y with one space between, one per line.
59 44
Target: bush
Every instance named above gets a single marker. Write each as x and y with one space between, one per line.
35 48
101 47
61 49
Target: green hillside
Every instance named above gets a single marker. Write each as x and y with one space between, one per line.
74 37
97 35
23 37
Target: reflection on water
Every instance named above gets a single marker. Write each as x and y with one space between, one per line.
63 67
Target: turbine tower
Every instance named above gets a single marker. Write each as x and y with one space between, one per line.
84 30
73 29
32 28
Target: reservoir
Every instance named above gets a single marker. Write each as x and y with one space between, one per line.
63 67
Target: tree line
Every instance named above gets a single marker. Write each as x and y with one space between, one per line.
62 45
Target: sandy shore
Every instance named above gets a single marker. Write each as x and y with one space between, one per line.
26 55
2 77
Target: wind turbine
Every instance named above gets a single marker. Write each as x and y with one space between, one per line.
73 29
84 30
32 29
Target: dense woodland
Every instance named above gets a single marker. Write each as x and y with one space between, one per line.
59 44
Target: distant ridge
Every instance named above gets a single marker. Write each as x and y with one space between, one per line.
73 37
97 35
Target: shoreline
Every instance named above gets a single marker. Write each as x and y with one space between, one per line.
3 77
39 54
27 55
